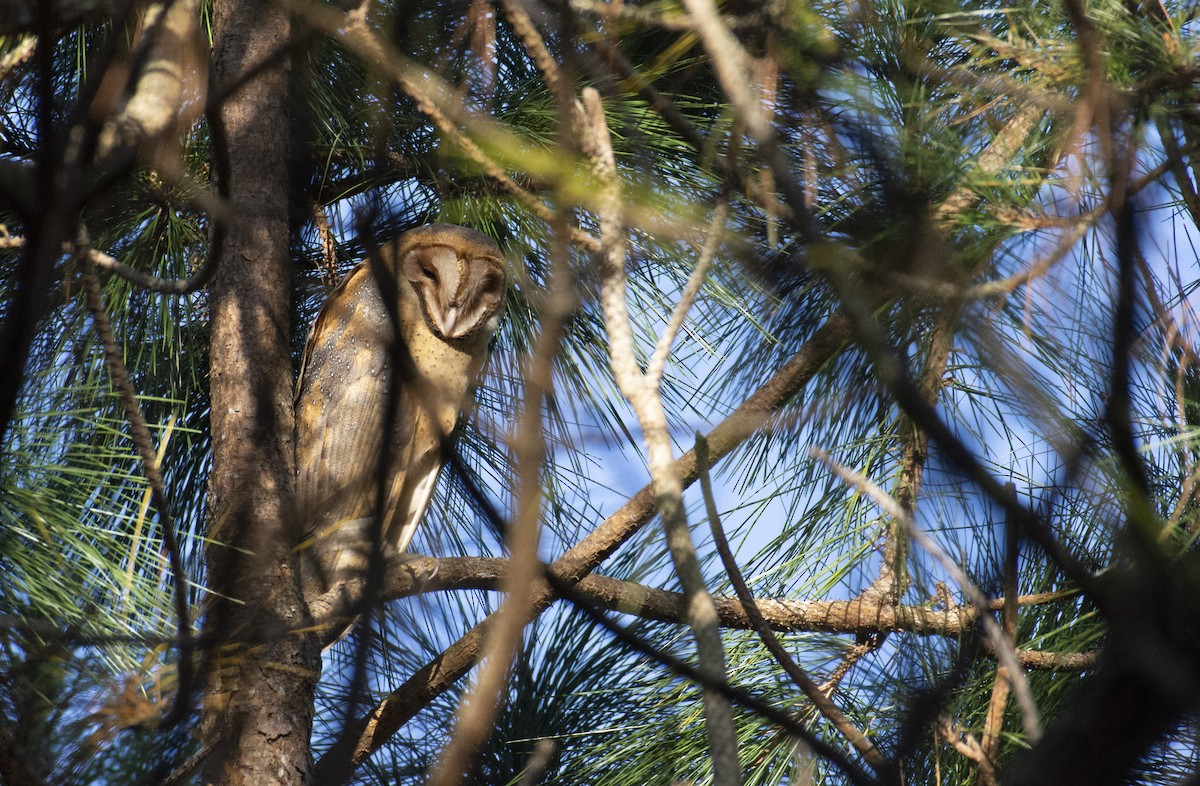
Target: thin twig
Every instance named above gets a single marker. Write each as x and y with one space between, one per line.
725 165
150 468
630 13
1065 243
728 692
654 368
965 743
1004 651
819 698
147 281
571 592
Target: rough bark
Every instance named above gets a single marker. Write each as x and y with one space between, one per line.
259 696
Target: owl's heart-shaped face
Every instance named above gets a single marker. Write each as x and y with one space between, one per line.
460 287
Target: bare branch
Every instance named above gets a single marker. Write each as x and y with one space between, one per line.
524 26
642 392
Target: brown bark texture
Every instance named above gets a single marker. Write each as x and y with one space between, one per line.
258 703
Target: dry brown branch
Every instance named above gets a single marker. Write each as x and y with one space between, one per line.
1178 168
730 63
999 154
1006 286
914 452
620 11
153 113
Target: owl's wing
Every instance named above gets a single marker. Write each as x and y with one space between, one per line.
341 405
340 410
413 484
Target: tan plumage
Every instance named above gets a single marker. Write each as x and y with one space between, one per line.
446 286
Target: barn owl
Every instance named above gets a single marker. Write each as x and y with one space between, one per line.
444 286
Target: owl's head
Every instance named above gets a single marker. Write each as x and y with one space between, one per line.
458 276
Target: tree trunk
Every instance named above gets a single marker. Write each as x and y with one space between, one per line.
261 678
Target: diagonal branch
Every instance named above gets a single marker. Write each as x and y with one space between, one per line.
374 729
822 701
153 472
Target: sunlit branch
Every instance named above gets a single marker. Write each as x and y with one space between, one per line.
729 61
415 574
642 391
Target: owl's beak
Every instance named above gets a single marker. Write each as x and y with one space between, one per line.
450 320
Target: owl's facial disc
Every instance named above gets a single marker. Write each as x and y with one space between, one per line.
459 294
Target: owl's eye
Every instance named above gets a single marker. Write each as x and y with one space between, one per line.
430 273
493 282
